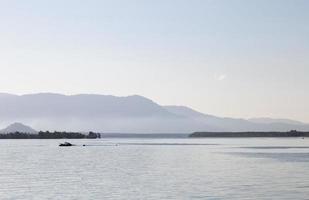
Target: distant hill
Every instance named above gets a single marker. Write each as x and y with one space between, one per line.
111 114
272 121
233 124
18 127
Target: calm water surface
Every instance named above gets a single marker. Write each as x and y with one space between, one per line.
130 169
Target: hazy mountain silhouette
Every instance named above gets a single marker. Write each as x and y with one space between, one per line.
18 127
232 124
271 121
102 113
50 105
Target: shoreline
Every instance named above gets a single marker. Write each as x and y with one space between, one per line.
249 134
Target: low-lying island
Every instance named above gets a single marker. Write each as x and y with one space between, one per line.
292 133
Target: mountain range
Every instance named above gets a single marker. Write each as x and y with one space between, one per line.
131 114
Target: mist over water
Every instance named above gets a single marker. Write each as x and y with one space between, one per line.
263 168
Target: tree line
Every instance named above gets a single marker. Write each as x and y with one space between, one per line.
50 135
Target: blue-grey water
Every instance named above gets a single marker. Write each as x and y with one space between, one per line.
252 168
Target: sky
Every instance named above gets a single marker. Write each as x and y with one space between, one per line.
232 58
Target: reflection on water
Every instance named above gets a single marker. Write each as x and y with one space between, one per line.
253 168
164 144
279 147
287 157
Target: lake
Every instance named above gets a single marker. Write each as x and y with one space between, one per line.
208 168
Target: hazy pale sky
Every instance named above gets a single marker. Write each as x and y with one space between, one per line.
237 58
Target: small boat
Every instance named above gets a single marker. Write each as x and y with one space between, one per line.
66 144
